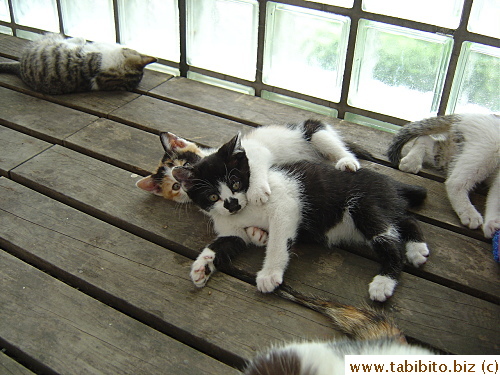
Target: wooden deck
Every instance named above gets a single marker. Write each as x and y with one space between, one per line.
95 272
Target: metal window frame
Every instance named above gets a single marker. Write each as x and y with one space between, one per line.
460 35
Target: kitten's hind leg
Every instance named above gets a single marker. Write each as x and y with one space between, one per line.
416 248
492 214
257 236
412 162
329 143
215 256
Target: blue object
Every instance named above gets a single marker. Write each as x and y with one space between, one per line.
495 240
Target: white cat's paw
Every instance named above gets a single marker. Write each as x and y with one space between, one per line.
470 218
258 193
257 236
410 165
268 280
381 288
348 163
417 253
203 267
491 227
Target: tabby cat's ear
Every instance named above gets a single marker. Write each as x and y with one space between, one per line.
149 184
145 60
171 142
232 148
184 175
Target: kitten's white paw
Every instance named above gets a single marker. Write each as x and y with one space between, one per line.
348 163
417 253
381 288
257 236
410 165
491 227
203 267
470 218
268 280
258 193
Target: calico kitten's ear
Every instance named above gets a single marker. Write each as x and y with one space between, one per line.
232 148
171 142
184 175
149 184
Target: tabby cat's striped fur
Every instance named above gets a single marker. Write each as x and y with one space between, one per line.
55 65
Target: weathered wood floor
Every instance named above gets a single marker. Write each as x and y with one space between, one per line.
95 272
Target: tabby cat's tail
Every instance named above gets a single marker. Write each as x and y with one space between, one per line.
432 125
10 67
358 323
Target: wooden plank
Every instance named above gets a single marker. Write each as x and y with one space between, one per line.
11 47
71 333
16 148
147 281
11 367
122 145
108 193
47 121
155 115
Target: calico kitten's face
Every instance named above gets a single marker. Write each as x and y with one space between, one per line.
219 182
178 152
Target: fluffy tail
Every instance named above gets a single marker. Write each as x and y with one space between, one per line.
359 151
358 323
10 67
432 125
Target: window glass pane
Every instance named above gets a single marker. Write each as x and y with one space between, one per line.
340 3
398 71
5 30
222 36
4 11
299 103
90 19
40 14
164 69
371 122
484 18
28 35
476 86
221 83
305 50
159 36
444 13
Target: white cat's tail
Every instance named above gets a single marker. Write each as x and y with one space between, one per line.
358 323
431 125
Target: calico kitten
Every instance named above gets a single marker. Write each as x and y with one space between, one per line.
310 140
466 146
370 332
55 65
308 200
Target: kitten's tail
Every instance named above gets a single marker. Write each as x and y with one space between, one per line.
432 125
358 323
10 67
414 195
359 151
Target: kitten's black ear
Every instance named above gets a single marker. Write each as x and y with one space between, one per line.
171 142
232 148
184 175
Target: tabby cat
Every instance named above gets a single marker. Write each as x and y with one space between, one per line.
307 200
370 332
55 65
309 140
467 146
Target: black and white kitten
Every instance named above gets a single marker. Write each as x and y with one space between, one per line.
370 333
55 65
308 200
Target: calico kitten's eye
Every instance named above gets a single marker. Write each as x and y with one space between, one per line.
176 186
213 197
236 185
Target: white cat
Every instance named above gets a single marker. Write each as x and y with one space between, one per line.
468 147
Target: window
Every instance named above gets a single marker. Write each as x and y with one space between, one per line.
374 62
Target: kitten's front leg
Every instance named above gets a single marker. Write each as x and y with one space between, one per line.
259 161
215 256
492 213
257 236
